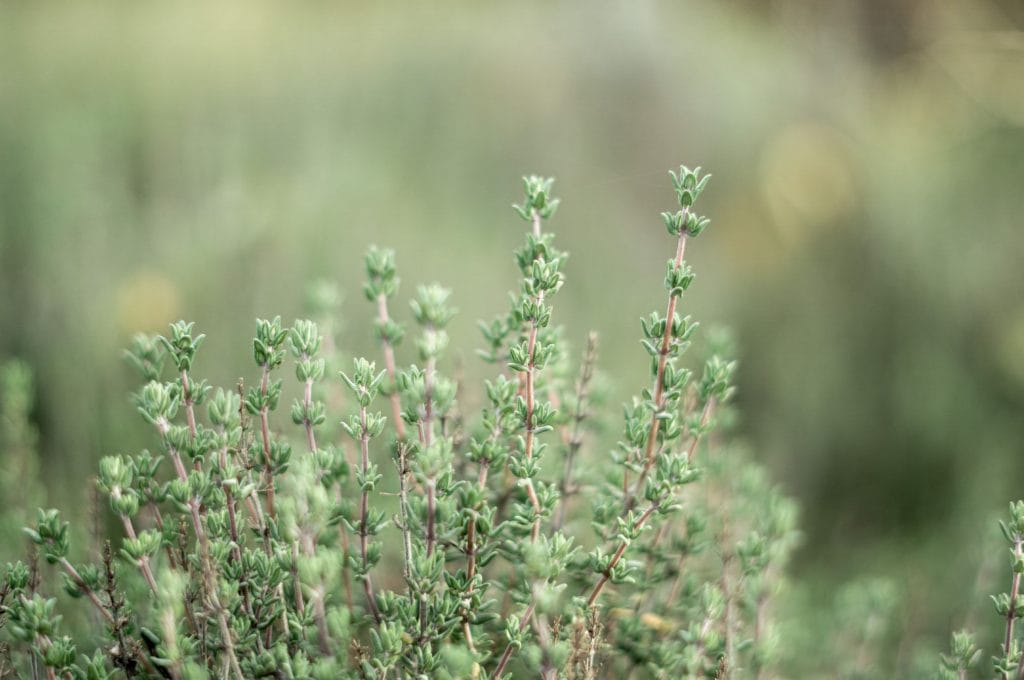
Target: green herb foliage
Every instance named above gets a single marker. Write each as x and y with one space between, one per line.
387 532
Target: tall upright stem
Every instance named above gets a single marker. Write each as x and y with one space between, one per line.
431 514
575 437
389 364
403 508
268 475
427 438
364 448
428 391
308 545
236 550
531 377
531 492
471 553
206 566
650 453
190 413
531 370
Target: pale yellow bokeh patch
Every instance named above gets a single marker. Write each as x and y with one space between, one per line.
751 238
147 301
806 179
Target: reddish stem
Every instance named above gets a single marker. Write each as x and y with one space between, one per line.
507 654
659 387
606 576
81 585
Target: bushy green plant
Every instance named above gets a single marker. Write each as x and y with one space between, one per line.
392 530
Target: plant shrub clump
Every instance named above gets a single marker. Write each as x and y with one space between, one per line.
388 530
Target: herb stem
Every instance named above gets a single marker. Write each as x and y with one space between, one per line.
364 448
659 384
389 364
619 552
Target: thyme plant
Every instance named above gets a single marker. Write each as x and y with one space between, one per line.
386 531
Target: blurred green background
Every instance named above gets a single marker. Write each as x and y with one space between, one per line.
208 160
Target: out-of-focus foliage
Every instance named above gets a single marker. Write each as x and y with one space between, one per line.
20 486
208 160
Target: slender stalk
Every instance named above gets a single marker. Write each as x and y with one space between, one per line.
364 448
659 387
677 584
346 548
76 578
729 623
245 442
428 391
607 574
506 656
190 414
426 433
125 652
471 555
206 567
705 417
309 546
129 529
300 602
389 364
659 536
268 475
575 437
431 514
471 552
256 508
528 449
403 508
144 565
531 377
236 550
